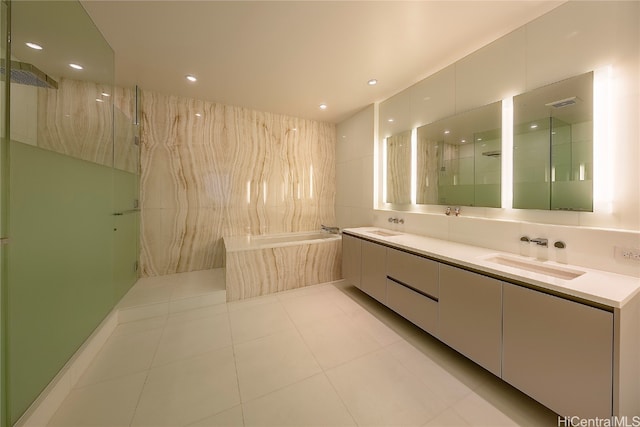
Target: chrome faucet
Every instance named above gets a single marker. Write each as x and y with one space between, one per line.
539 241
332 230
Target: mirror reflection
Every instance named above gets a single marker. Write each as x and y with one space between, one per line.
459 159
553 146
398 167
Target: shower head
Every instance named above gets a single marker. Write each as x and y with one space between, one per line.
27 74
563 102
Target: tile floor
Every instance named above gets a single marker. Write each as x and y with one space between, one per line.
325 355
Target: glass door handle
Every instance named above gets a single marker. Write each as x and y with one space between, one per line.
126 212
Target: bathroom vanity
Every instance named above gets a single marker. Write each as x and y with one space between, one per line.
569 337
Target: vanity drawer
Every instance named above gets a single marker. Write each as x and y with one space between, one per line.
415 307
416 272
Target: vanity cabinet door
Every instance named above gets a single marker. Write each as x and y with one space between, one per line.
374 270
559 352
470 308
351 259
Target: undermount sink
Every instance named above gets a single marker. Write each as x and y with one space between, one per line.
385 233
535 267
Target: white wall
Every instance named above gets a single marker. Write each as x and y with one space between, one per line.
354 170
574 38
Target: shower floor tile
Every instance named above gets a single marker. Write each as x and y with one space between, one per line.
323 355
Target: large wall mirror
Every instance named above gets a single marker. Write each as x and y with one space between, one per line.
459 159
398 169
553 146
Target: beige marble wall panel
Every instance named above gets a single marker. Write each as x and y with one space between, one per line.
217 170
265 271
72 121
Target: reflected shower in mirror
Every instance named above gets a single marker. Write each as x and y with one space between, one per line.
458 159
398 168
553 146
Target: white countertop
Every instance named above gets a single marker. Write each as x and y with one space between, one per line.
610 289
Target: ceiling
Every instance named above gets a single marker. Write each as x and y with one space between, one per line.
289 57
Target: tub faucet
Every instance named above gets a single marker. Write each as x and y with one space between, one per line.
539 241
332 230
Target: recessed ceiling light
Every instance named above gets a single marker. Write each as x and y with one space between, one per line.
76 66
479 139
191 78
534 126
105 94
463 140
198 115
35 46
295 129
372 82
323 106
390 120
99 100
447 132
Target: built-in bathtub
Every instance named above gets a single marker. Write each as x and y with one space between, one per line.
265 264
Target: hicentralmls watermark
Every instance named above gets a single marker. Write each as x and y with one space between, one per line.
622 421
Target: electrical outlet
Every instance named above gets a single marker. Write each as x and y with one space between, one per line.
627 253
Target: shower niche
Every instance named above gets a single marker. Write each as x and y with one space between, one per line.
553 146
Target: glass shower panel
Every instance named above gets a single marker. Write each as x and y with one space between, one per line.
125 191
65 261
4 158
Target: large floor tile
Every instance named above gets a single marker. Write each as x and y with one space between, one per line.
379 391
515 404
198 301
109 403
310 402
228 418
122 354
185 339
192 389
269 363
198 282
447 418
336 340
142 325
309 307
435 377
251 302
196 313
477 411
144 293
258 321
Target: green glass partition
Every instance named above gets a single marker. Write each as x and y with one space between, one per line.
4 144
73 185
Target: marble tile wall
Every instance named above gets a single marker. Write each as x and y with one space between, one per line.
265 271
210 170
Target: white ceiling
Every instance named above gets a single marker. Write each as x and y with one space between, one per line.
288 57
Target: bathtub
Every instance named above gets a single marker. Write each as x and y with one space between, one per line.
265 264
